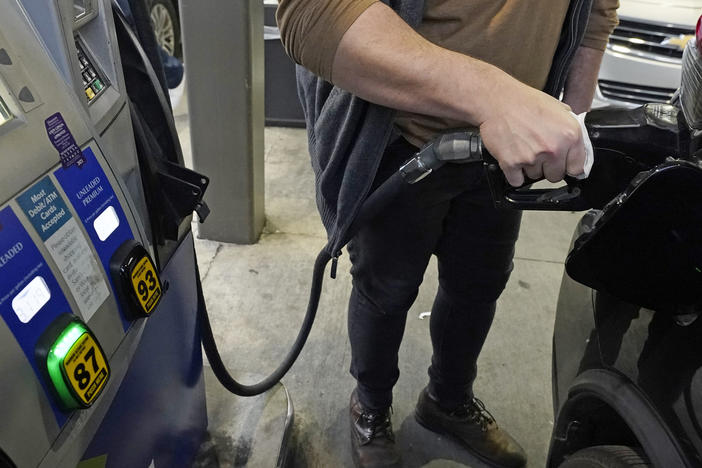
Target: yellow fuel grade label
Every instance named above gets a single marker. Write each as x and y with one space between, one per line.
86 369
146 284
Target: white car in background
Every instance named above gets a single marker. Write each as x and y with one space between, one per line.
643 59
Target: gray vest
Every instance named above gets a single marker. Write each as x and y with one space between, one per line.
347 135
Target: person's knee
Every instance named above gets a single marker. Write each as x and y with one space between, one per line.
387 296
480 289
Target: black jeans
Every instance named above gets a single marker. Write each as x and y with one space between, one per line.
449 214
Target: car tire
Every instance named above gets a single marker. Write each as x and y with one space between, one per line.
166 24
607 456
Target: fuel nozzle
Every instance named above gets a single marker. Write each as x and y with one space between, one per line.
460 147
625 142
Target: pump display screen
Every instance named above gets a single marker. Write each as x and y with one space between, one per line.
31 299
5 115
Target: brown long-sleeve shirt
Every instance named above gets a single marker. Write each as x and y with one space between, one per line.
518 36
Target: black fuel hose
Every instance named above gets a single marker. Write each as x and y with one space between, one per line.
376 202
210 345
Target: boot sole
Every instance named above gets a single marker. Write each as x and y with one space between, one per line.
468 448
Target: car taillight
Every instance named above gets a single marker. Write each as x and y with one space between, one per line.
698 35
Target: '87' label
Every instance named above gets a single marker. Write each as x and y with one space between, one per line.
86 368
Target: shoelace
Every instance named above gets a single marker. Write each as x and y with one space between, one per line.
380 423
475 411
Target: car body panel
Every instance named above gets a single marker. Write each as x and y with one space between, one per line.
657 354
663 359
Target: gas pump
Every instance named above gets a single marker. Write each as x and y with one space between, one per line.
82 262
102 313
80 37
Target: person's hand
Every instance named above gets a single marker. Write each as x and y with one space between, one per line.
530 133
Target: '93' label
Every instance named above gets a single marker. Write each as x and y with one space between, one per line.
146 284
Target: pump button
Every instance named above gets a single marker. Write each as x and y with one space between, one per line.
73 362
26 95
135 275
5 58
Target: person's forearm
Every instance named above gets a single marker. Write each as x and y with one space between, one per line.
582 79
381 59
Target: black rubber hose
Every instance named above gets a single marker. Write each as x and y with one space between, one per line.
376 202
218 367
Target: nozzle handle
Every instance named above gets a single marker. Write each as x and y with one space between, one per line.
466 146
567 197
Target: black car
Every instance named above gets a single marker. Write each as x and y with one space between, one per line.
627 345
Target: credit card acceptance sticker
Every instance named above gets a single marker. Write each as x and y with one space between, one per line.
68 247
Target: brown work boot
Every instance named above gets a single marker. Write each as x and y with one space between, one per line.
372 440
474 427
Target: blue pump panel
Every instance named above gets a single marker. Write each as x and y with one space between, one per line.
158 417
89 191
30 297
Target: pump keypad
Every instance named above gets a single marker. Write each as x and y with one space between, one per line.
93 84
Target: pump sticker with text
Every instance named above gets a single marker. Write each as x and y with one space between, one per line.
93 198
86 368
62 139
146 284
48 213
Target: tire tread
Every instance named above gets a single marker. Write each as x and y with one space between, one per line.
607 456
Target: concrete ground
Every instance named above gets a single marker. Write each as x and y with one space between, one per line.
257 295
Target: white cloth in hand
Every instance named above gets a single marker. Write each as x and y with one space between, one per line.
589 152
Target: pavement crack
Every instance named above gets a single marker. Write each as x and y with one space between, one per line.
204 276
540 260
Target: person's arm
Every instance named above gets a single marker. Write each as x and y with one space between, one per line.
582 78
381 59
